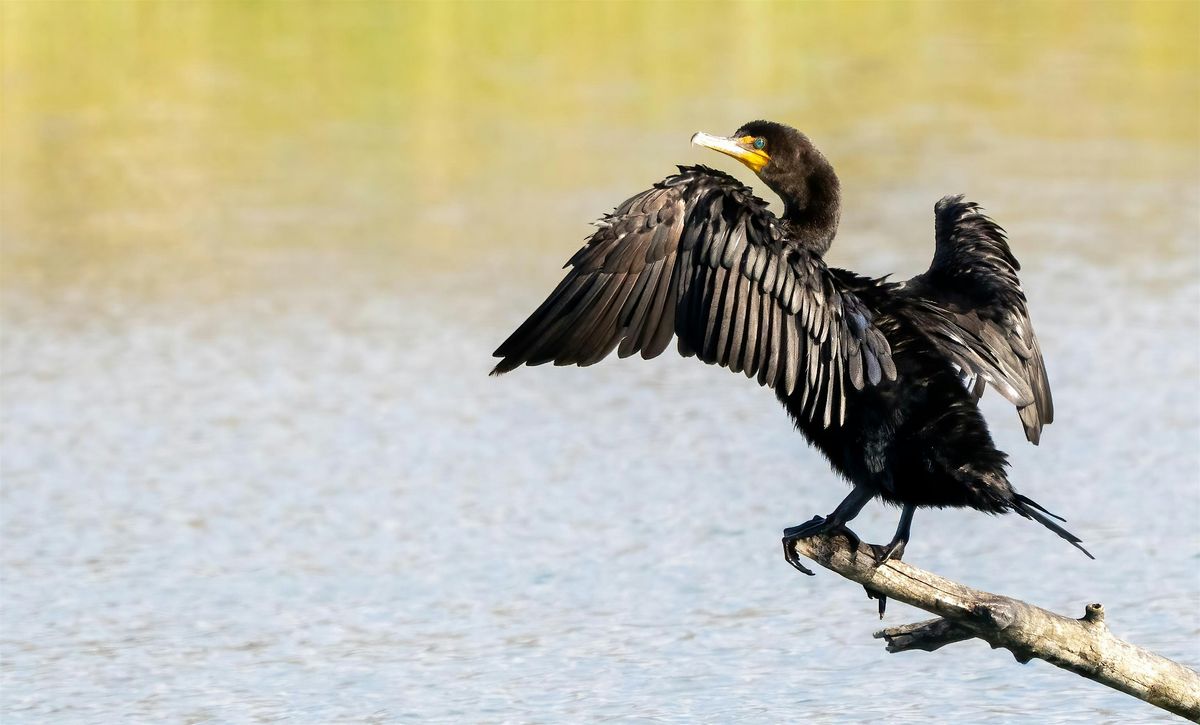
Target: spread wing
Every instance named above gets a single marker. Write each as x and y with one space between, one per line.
699 257
976 312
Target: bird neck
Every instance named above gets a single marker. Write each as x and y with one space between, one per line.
812 207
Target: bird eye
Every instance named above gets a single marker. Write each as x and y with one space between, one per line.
760 143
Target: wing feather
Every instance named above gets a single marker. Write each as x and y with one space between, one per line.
712 328
765 345
738 334
654 317
791 355
753 331
970 305
638 322
698 257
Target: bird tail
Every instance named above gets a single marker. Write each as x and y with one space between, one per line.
1031 509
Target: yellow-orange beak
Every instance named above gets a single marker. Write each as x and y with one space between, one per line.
739 148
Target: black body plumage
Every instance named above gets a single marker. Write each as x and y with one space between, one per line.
881 377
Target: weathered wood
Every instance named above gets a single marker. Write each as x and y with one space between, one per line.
1084 646
929 635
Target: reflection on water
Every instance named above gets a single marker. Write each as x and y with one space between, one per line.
255 258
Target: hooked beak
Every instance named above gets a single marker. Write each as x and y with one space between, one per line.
739 148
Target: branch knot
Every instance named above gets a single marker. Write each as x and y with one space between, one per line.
995 614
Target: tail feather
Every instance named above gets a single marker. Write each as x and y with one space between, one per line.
1031 509
1030 502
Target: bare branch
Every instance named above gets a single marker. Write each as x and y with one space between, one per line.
1084 646
928 635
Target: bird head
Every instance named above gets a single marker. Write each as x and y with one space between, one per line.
771 150
792 167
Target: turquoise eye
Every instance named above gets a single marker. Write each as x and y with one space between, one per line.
760 143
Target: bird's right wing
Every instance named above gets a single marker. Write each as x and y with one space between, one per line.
700 257
973 308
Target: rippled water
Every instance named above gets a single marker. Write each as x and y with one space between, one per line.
255 259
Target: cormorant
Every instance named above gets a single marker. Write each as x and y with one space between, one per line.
882 377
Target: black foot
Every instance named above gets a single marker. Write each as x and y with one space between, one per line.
881 598
816 526
893 550
791 557
884 554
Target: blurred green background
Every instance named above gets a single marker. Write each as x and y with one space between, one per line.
144 139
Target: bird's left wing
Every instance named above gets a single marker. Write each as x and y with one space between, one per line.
698 256
973 308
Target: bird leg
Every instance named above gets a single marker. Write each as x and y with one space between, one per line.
834 523
893 550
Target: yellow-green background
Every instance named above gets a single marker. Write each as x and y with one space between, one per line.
191 131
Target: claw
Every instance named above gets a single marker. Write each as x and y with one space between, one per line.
882 598
851 538
815 527
833 524
791 557
883 554
894 550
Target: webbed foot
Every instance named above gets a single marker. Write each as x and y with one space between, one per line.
816 526
893 550
834 523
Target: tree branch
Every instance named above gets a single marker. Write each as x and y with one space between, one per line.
928 635
1084 646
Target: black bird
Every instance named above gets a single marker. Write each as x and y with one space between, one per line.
882 377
